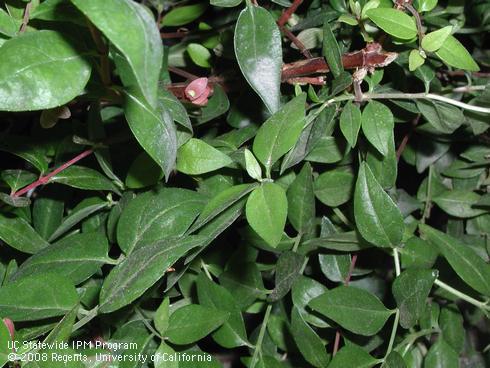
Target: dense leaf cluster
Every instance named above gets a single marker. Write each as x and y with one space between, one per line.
243 184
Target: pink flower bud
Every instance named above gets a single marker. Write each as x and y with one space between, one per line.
10 326
198 91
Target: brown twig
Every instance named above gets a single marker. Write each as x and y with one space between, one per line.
182 73
45 179
103 51
181 33
353 261
301 47
406 138
25 19
288 12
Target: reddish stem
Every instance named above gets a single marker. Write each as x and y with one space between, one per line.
288 12
45 179
404 142
353 261
26 17
297 42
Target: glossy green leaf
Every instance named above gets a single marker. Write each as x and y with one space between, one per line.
156 215
459 203
280 132
394 22
288 269
384 168
415 60
377 125
378 219
394 360
9 26
301 200
40 70
192 322
252 165
331 51
441 355
334 187
154 130
76 257
139 271
305 289
467 264
47 215
131 28
352 356
197 157
259 54
266 211
17 233
232 333
82 177
144 172
433 41
350 122
37 297
182 15
443 117
451 323
161 316
245 284
200 55
308 342
354 309
335 267
5 339
411 289
454 54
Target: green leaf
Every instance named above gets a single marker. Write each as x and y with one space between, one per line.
193 322
17 179
5 339
17 233
335 267
183 15
394 360
197 157
162 355
335 187
199 55
453 53
232 333
154 130
452 328
288 269
131 28
459 203
156 215
331 51
418 253
220 203
350 122
245 284
308 342
433 41
394 22
415 60
161 316
82 177
441 355
280 132
354 309
384 168
266 211
82 211
258 51
426 5
142 269
47 215
411 289
301 201
40 70
443 117
37 297
352 356
218 104
303 291
168 102
252 165
76 257
225 3
9 26
378 218
467 264
143 172
377 125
